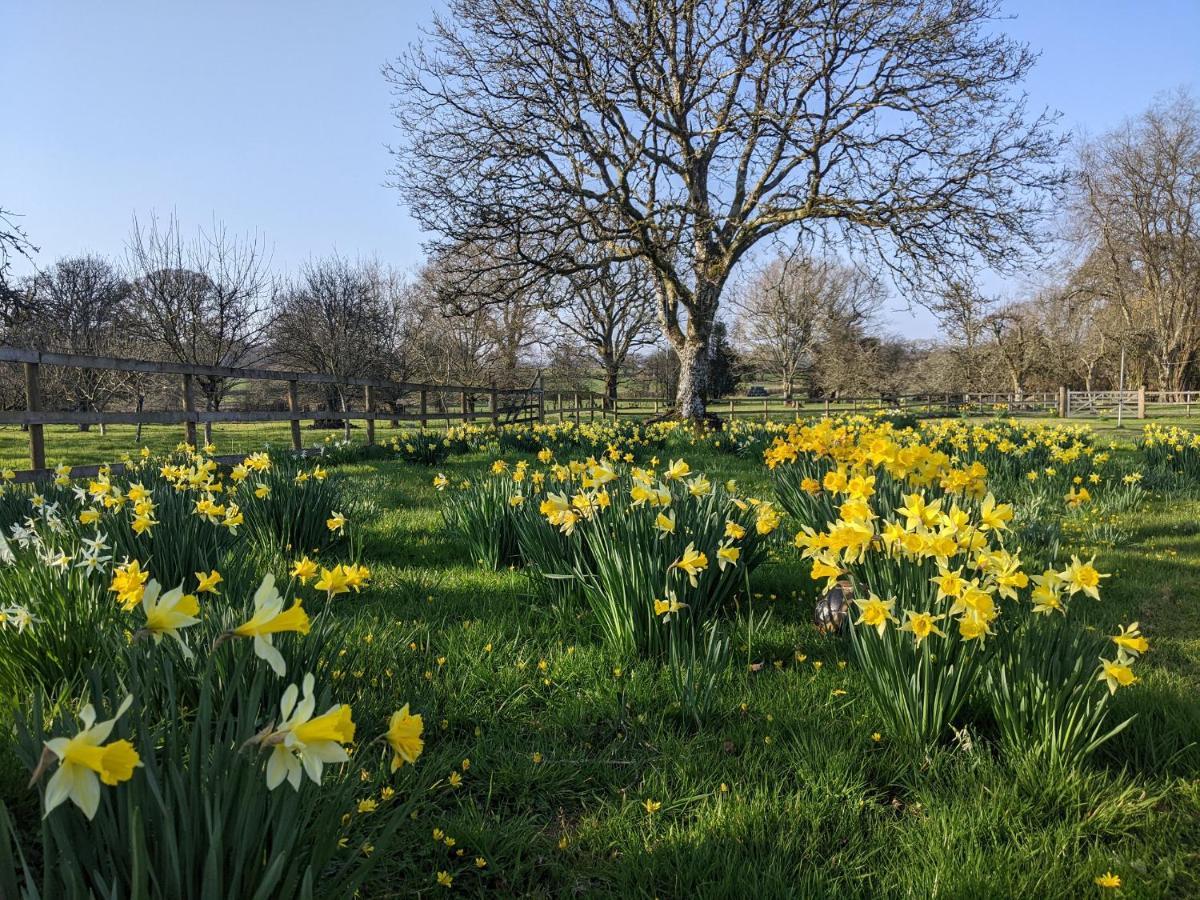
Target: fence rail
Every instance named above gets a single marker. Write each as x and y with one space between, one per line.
499 405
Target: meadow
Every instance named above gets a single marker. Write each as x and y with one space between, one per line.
557 754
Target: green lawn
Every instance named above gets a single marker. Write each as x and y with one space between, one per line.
67 444
785 793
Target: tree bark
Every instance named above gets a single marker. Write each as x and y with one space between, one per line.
610 383
693 379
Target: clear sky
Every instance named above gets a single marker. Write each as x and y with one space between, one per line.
272 116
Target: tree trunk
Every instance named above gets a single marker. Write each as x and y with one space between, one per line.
693 379
610 384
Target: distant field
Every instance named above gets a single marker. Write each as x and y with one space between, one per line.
66 444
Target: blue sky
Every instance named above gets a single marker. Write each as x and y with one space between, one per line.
272 116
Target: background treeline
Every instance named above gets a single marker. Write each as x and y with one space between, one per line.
1123 275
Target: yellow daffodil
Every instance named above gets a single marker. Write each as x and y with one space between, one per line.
728 555
85 762
269 619
128 583
304 570
1082 576
921 625
207 583
333 581
169 612
304 744
692 563
1131 641
404 737
1116 673
876 613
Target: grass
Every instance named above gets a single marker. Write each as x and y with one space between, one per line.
67 444
784 793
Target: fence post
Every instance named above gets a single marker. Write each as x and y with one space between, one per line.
616 415
33 403
369 403
189 406
293 408
591 407
494 403
730 407
1062 401
577 405
541 411
766 411
424 407
1141 402
827 406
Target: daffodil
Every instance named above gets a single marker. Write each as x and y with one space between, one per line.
128 583
1116 673
1082 576
677 469
994 516
169 612
269 619
692 563
728 555
921 625
669 607
333 581
207 583
336 523
304 569
876 613
404 737
1131 641
304 744
85 762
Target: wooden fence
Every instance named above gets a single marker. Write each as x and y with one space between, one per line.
503 405
496 406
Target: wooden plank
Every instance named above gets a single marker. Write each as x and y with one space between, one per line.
294 407
369 403
33 403
189 406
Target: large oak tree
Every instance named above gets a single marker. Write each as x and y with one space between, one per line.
684 132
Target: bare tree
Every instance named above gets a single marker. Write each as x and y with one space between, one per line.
13 242
80 305
1020 342
611 310
683 132
1138 207
337 318
202 301
796 303
477 343
964 313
